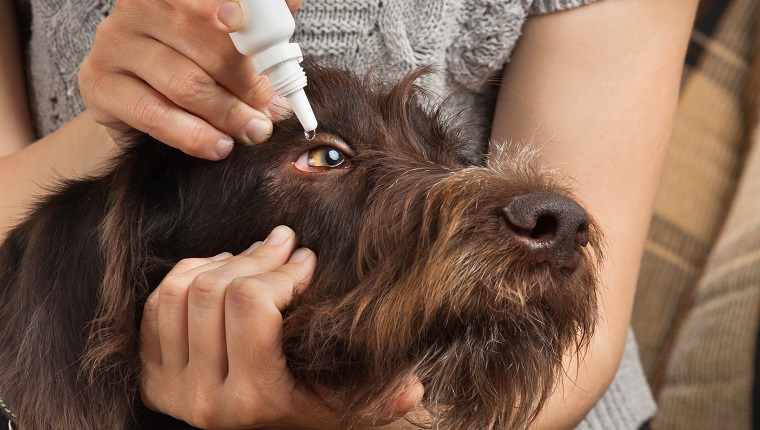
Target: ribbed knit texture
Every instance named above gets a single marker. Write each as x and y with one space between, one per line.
627 401
470 40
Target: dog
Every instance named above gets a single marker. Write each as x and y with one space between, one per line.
473 271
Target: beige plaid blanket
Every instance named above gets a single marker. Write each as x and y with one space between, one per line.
697 307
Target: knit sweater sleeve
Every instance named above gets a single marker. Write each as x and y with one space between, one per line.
548 6
628 403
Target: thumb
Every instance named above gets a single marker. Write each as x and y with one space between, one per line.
231 15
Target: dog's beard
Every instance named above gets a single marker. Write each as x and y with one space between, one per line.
445 295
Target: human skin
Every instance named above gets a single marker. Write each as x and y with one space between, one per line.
597 88
589 79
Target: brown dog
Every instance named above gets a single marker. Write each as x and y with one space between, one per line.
469 271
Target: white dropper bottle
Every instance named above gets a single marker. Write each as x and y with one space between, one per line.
269 25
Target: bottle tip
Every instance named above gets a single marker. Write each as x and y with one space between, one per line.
301 107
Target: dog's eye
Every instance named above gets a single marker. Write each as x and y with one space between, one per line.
320 159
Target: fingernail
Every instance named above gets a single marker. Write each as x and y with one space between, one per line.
223 148
279 108
253 247
231 15
300 255
279 235
258 130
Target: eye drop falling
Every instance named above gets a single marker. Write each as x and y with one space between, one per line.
266 37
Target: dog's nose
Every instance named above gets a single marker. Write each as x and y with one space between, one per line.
549 226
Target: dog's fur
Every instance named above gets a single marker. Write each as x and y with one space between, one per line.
417 272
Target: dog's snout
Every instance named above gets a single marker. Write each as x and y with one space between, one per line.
549 226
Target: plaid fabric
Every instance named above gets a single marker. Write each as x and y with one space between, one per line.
709 379
698 303
700 177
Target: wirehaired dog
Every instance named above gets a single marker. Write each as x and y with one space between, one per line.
474 272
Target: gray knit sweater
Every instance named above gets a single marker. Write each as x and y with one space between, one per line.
470 39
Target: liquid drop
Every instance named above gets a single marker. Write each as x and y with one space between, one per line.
310 134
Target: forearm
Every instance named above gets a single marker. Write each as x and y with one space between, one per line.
28 168
596 88
75 150
15 126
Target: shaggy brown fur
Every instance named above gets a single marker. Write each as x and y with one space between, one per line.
419 272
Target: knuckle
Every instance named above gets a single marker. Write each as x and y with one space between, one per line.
151 397
260 92
87 77
124 6
173 289
94 88
151 112
246 291
204 409
206 288
151 304
188 263
194 141
192 86
106 32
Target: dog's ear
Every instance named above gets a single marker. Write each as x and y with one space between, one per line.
50 283
132 221
111 342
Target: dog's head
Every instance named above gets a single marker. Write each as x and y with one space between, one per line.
466 269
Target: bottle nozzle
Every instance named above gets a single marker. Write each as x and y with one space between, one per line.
269 26
302 109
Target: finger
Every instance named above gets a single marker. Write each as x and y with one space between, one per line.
196 264
139 106
299 272
294 5
401 400
232 17
207 346
150 342
206 11
410 396
215 53
206 301
275 251
155 311
188 86
122 44
254 306
172 322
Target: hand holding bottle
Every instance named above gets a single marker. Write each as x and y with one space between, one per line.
170 69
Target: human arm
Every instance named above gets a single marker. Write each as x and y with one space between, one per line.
596 89
26 170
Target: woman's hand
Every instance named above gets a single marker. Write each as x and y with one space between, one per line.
210 340
169 68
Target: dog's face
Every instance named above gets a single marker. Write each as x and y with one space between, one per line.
465 269
432 260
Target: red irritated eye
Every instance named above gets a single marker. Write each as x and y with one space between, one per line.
321 159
